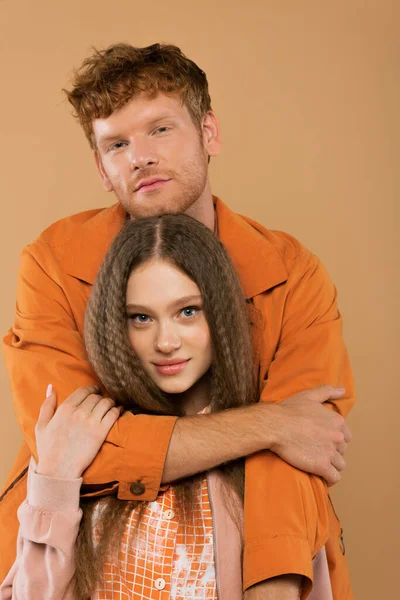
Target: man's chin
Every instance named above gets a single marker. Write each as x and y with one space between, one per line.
157 208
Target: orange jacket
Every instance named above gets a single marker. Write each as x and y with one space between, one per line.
298 345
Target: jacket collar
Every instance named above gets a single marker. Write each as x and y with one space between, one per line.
82 253
255 258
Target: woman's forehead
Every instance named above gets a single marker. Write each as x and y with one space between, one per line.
159 282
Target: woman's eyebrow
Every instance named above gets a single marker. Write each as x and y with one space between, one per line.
137 307
183 301
186 300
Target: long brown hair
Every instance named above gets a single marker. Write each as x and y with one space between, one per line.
194 249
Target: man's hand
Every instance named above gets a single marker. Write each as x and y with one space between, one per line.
310 437
69 437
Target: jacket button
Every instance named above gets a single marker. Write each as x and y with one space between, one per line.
137 488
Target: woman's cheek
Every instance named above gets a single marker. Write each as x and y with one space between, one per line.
202 337
139 342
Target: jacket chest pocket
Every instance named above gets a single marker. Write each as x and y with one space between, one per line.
256 330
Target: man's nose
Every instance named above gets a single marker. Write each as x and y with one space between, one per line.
167 340
142 155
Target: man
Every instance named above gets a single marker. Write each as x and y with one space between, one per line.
147 115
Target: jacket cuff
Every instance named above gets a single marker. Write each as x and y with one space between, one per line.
52 494
142 465
281 555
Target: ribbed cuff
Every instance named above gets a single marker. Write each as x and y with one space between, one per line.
50 493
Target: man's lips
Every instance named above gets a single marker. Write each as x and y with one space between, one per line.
152 183
171 367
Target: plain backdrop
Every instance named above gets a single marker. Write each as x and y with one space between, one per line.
308 97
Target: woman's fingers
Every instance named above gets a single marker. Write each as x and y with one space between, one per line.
80 395
102 406
89 405
110 418
48 408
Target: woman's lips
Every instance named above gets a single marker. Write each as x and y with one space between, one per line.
171 369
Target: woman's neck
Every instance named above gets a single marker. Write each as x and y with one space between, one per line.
197 397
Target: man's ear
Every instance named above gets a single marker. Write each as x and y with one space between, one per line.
211 134
103 175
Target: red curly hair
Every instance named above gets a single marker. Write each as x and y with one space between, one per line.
109 78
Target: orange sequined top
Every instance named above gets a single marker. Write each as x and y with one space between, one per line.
169 555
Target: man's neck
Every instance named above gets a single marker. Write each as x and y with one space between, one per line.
203 209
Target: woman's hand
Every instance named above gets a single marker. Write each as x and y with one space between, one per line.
69 437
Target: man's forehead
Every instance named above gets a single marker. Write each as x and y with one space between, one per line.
141 109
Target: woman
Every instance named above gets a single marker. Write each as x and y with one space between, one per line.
167 332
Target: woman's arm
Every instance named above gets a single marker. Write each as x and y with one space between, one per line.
49 523
67 440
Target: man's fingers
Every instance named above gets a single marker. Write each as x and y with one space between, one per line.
347 433
342 448
338 462
332 476
324 393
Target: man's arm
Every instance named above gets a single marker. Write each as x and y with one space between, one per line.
311 351
310 437
288 515
46 346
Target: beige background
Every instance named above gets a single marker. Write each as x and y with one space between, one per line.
308 97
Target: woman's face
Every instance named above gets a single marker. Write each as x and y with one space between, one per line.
167 327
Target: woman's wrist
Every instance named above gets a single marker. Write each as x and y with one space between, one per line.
56 471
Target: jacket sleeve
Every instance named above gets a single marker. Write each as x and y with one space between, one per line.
288 513
49 522
45 345
311 350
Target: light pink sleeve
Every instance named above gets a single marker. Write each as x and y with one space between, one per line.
49 522
322 589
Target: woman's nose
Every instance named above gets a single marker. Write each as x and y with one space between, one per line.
167 341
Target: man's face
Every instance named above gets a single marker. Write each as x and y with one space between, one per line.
153 157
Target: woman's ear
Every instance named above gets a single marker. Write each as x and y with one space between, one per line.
211 134
103 175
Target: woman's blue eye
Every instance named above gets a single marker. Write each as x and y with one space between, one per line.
189 311
140 318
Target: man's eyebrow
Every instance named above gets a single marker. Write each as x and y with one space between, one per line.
162 117
112 137
103 141
184 301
